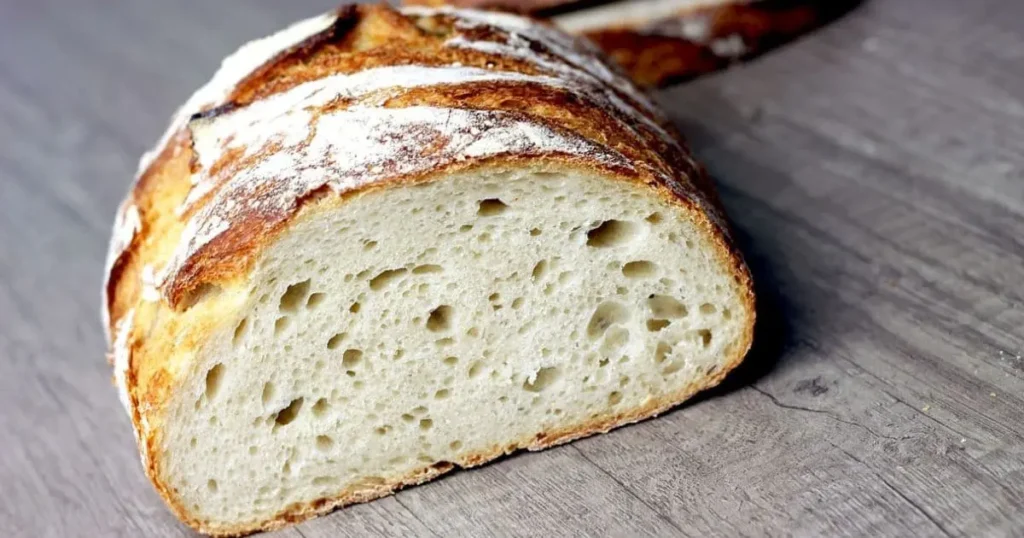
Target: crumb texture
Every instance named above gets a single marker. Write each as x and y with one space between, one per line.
498 308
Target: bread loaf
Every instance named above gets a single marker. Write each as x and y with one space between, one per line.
381 245
663 42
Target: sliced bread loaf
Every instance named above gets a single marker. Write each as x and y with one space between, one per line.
381 245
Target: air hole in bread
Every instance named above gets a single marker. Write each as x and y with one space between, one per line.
324 481
655 325
321 408
211 485
441 394
672 367
324 443
240 330
707 309
474 370
355 307
426 424
662 351
663 306
440 319
336 340
293 296
614 398
384 278
351 358
426 269
605 315
541 379
369 245
640 269
288 414
654 218
534 232
455 445
540 269
315 299
491 207
214 379
704 337
612 233
268 392
280 325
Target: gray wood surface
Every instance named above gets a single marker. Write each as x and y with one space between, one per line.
875 171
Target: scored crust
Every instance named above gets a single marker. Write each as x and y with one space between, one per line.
208 200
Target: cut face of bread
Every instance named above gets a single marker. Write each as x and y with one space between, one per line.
403 243
421 327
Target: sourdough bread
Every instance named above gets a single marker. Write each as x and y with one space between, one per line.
381 245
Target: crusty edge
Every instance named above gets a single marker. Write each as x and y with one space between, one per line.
728 256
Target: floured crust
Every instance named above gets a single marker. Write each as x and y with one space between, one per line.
469 90
663 42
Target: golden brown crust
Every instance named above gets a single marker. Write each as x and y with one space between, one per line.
158 276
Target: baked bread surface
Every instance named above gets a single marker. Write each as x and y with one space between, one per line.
304 148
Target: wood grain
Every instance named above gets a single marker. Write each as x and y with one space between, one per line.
875 172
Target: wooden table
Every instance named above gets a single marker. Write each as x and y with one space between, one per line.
875 172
